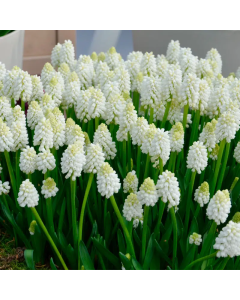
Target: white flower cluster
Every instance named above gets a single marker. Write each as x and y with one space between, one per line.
160 147
132 208
147 193
94 158
73 160
28 161
176 135
228 241
236 154
102 136
219 207
49 188
197 157
195 239
45 161
130 183
202 194
207 136
168 189
4 187
28 195
108 182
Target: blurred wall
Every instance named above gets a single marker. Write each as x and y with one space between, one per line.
226 42
38 45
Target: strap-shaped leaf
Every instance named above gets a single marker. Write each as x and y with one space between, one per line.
85 257
28 255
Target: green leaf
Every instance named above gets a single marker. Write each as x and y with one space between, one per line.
28 255
107 226
136 238
53 267
106 253
125 261
120 168
85 257
136 264
162 253
149 253
121 243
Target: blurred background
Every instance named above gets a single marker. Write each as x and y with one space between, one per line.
30 49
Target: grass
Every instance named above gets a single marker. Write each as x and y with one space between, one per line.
11 257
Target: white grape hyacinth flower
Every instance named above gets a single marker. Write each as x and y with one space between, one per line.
138 131
55 55
137 220
45 161
168 189
204 96
173 52
43 135
73 160
73 132
49 188
123 78
187 61
160 147
47 103
5 110
102 136
47 73
130 183
82 105
207 136
112 58
202 195
37 88
28 195
214 56
214 154
4 187
189 91
228 241
108 182
127 120
219 207
171 83
132 208
162 65
22 87
55 88
9 82
20 135
195 239
94 158
27 162
226 127
197 158
236 154
6 137
114 109
67 53
176 135
58 127
147 193
34 114
147 138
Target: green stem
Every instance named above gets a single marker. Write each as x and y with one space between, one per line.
12 102
224 263
124 158
200 260
90 179
174 224
151 115
165 114
39 221
138 161
185 114
233 184
215 176
223 167
160 214
17 169
195 127
11 174
144 233
23 105
189 198
73 209
129 153
50 215
147 167
96 123
125 230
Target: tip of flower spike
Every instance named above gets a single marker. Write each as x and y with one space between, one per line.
140 77
128 256
70 122
112 50
125 95
106 168
48 67
232 74
53 81
32 227
101 56
148 185
204 188
73 77
64 67
236 217
94 56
